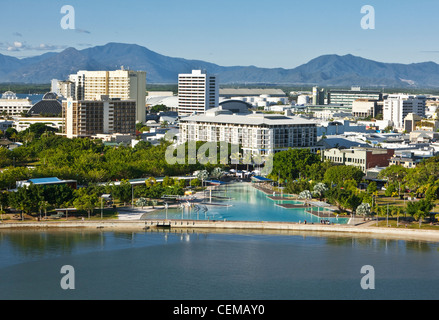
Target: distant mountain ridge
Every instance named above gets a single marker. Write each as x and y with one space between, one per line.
326 70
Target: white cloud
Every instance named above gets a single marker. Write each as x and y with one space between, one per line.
22 46
44 46
82 31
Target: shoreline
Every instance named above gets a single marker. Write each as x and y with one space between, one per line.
129 220
228 226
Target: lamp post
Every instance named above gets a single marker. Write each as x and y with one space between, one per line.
387 219
132 196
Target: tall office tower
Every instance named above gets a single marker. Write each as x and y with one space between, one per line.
85 118
122 84
197 92
398 106
318 96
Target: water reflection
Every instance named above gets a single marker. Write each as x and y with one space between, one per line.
31 245
213 265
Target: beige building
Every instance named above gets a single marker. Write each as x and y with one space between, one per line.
363 108
427 125
363 158
122 84
410 122
88 118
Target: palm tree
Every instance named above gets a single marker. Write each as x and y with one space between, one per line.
319 190
43 205
141 202
217 173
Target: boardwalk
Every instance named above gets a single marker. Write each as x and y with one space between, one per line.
293 205
226 226
323 214
282 198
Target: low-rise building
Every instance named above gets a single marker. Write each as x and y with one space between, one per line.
13 106
24 123
47 182
423 136
409 159
363 108
5 125
363 158
410 122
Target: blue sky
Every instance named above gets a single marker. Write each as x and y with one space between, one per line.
275 33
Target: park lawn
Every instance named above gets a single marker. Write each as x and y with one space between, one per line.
392 223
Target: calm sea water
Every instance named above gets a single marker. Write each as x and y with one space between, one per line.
33 97
186 266
215 266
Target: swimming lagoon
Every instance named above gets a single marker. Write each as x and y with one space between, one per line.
243 202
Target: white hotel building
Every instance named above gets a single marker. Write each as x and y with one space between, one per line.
13 106
256 133
398 106
197 92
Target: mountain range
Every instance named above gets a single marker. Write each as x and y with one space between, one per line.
326 70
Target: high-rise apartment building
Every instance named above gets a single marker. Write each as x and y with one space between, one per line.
64 89
197 92
318 96
85 118
398 106
122 84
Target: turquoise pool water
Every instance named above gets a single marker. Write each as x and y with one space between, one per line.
246 203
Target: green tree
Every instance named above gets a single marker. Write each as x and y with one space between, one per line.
4 202
372 187
339 174
123 191
158 108
293 163
26 199
85 201
419 209
297 186
195 182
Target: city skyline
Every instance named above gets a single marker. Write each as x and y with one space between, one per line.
284 34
